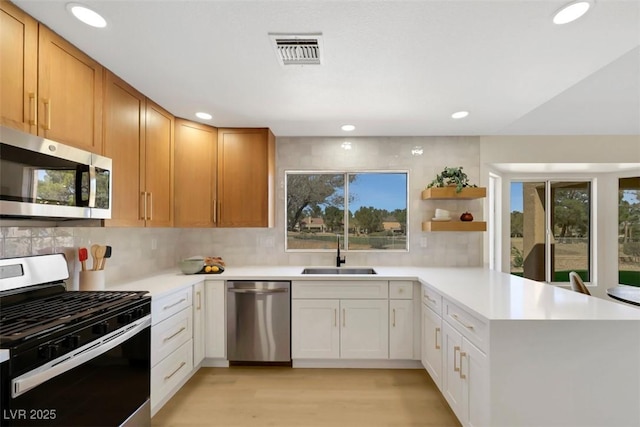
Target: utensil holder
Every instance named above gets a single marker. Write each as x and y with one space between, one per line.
92 280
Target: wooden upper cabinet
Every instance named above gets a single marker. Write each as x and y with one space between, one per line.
18 68
158 167
69 93
124 136
246 177
195 174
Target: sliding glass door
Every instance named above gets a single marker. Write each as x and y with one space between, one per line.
550 229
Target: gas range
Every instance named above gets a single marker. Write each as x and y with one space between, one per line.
55 336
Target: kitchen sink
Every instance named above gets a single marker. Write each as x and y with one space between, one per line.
341 270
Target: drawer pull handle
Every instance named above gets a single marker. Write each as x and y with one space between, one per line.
437 345
335 317
174 372
394 317
455 316
174 304
174 334
344 318
199 305
456 349
430 300
462 354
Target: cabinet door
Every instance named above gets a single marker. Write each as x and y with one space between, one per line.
432 344
401 329
123 142
215 327
70 93
315 330
158 168
451 380
474 368
198 323
18 68
246 160
364 332
195 174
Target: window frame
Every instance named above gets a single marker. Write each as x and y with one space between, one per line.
345 234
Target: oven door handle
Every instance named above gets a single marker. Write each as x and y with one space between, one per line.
62 364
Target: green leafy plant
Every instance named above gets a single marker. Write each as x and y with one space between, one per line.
451 176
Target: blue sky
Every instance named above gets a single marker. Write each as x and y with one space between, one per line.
380 190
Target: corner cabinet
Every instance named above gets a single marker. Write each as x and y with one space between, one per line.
246 178
449 193
139 137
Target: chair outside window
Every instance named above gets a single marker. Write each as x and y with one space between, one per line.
577 284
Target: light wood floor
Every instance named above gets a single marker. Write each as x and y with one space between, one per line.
266 396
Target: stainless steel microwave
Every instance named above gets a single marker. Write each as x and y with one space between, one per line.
43 178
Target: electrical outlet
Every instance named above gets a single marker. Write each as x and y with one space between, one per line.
423 242
154 244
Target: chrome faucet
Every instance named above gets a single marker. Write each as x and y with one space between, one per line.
343 260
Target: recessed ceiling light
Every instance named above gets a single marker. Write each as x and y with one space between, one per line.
86 15
348 128
459 114
203 116
570 12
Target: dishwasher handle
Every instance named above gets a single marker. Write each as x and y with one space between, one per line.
258 290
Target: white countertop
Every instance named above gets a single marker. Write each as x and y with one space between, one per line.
489 294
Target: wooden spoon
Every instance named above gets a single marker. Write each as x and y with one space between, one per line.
100 252
94 256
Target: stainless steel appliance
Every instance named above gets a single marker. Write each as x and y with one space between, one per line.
75 358
259 322
43 178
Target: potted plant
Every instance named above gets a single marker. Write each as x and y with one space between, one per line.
451 177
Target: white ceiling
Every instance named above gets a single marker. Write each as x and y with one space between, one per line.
390 67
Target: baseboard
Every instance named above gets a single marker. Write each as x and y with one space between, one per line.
357 364
211 362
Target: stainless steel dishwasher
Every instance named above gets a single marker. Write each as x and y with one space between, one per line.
259 322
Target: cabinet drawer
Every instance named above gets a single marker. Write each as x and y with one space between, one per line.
470 326
170 334
432 299
169 305
340 289
401 289
166 375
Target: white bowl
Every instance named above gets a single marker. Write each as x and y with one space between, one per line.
191 266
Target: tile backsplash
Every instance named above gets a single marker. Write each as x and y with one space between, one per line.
139 252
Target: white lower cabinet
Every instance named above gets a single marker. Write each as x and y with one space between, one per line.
167 375
401 329
198 323
171 344
339 329
315 330
215 320
432 344
364 331
465 379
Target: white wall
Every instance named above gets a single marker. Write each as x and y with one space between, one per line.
595 153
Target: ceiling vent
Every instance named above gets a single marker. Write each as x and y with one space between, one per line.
300 49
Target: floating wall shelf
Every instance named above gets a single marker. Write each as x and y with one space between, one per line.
454 226
436 193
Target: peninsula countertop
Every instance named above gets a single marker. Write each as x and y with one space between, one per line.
490 294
